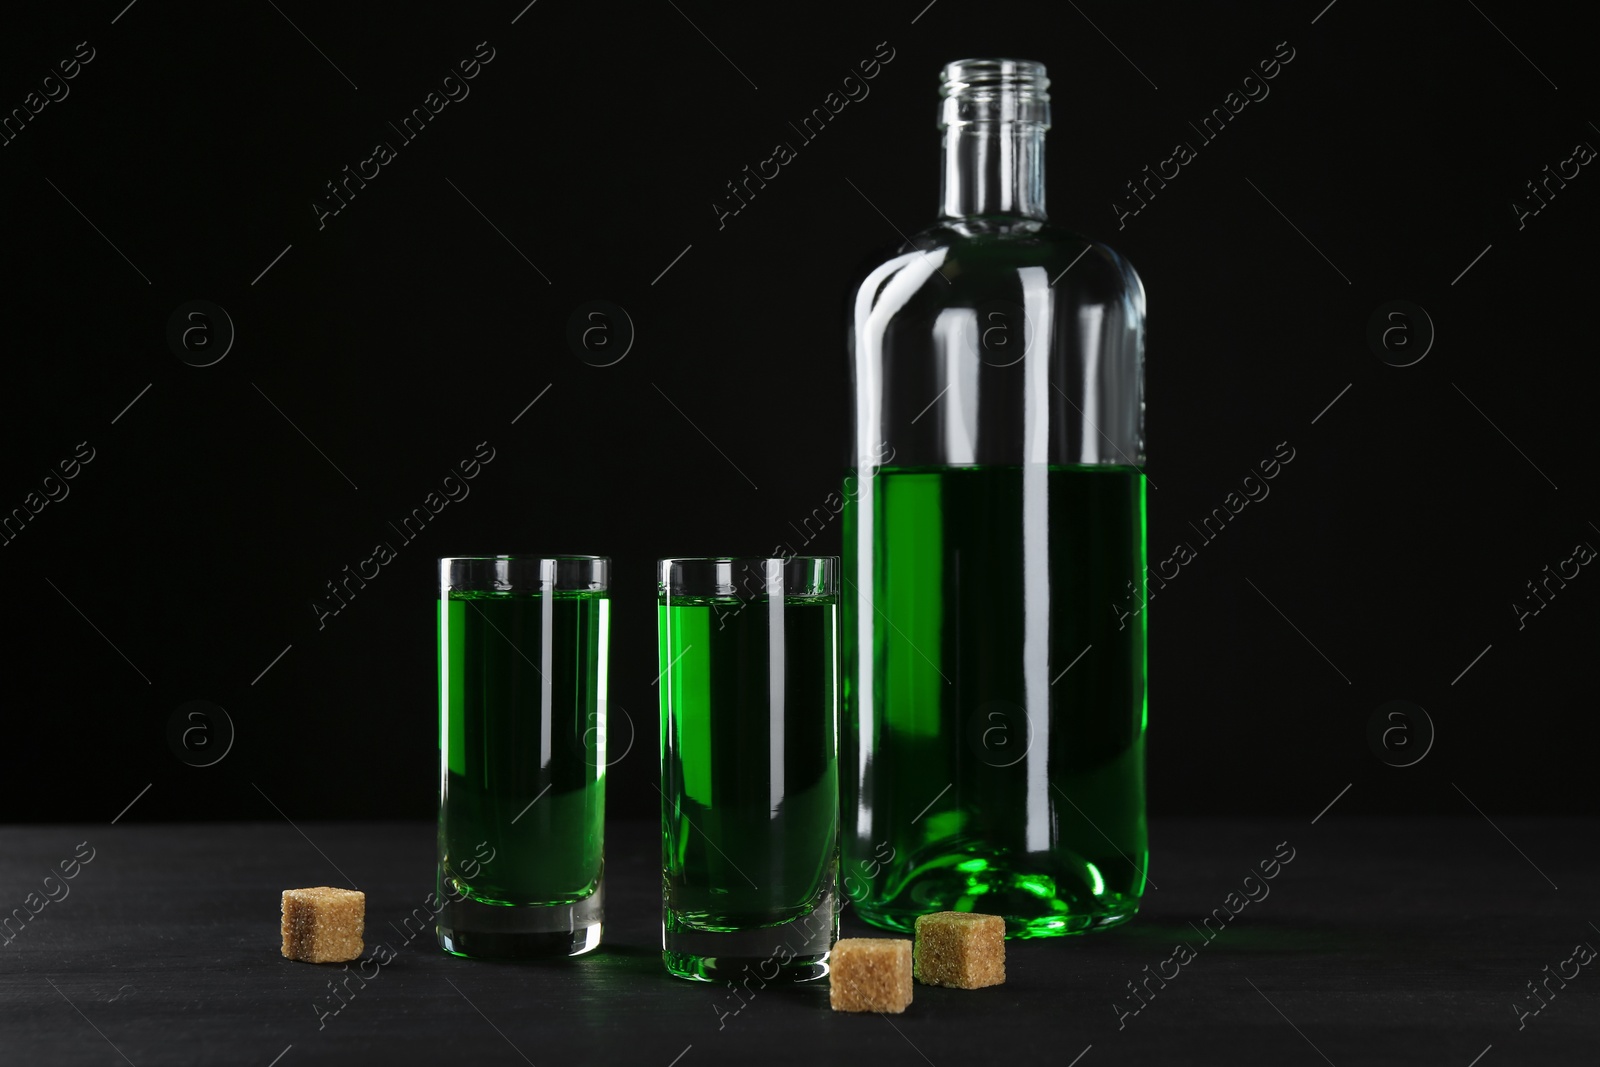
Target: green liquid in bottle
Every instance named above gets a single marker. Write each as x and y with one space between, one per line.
996 761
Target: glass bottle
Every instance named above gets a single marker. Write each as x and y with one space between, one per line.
992 744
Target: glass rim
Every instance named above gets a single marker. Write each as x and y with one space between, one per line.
743 559
524 557
747 576
517 573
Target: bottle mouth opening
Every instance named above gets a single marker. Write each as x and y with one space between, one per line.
968 75
994 90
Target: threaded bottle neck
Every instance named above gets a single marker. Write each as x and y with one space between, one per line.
994 114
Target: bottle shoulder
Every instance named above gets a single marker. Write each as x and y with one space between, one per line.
974 255
995 228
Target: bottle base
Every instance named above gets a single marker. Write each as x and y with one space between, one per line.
1037 896
500 932
1018 927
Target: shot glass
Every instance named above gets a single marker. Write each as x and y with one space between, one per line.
749 767
522 754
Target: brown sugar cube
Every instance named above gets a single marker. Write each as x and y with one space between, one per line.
960 949
323 925
870 974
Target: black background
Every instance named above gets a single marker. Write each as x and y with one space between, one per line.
413 326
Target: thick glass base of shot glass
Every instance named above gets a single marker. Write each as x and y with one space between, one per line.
772 955
473 929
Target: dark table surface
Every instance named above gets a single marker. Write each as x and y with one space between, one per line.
1403 941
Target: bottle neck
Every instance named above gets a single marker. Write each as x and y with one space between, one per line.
993 168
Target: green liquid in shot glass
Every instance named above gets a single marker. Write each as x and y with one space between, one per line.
749 761
522 737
